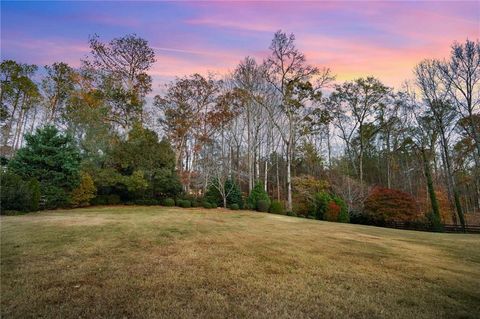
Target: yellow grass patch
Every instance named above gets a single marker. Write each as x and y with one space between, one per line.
140 262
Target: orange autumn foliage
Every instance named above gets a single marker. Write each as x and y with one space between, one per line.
446 209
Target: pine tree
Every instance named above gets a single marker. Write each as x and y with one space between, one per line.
54 160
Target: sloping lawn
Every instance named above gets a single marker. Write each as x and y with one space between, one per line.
158 262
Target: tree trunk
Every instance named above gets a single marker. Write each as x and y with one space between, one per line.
360 157
266 177
329 146
278 176
436 220
249 152
25 120
257 164
289 177
19 127
389 183
32 125
475 134
451 179
9 125
360 166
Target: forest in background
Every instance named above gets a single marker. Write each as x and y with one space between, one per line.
278 134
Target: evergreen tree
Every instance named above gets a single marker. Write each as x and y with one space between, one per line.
258 193
213 195
233 193
52 159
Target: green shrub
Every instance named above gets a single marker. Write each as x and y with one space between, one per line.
185 203
99 200
258 194
234 195
113 199
147 202
291 214
196 203
168 202
234 207
329 207
263 205
207 205
17 194
276 207
53 197
320 204
213 194
35 195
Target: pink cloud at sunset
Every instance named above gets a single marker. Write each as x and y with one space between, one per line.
385 39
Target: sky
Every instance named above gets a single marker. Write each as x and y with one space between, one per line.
385 39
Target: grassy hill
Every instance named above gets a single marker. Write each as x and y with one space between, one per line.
139 262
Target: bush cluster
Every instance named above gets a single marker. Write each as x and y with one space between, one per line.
17 194
185 203
263 205
329 207
196 203
169 202
147 202
276 207
46 172
110 199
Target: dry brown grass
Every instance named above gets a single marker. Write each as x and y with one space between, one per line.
154 262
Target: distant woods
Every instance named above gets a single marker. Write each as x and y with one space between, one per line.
282 122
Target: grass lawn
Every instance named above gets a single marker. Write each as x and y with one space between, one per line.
143 262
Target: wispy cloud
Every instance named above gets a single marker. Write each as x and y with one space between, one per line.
355 38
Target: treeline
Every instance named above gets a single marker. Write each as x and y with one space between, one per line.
282 128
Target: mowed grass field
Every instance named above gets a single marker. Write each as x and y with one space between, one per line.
158 262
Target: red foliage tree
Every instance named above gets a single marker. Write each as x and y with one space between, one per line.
390 205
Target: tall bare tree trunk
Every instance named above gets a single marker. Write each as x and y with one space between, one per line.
266 176
249 151
278 177
289 177
8 127
329 146
451 179
436 220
